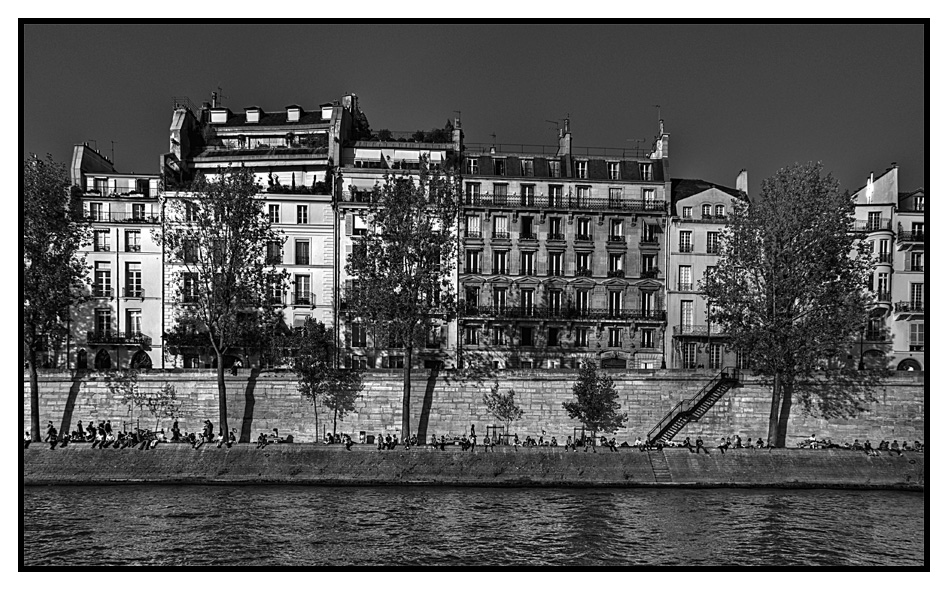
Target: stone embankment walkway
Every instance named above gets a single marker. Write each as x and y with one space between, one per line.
78 464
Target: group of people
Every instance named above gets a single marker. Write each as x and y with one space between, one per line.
893 447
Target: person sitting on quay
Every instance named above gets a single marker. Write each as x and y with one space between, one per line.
394 442
569 444
434 440
50 431
699 446
108 427
612 445
27 439
90 431
687 444
488 444
638 443
80 431
738 443
867 447
348 442
723 445
919 447
895 447
381 442
407 442
760 443
464 444
99 441
442 442
414 440
175 432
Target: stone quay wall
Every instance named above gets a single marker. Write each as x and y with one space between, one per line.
79 464
259 402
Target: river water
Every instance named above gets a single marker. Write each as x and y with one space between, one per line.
441 526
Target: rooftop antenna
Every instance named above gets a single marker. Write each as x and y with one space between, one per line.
96 146
637 142
220 95
557 123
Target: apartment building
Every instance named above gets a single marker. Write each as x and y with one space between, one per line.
699 213
118 322
894 224
364 163
562 254
291 151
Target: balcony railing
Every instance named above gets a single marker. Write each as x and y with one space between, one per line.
127 339
528 236
651 273
583 272
541 312
583 238
501 235
472 270
910 307
685 286
648 240
555 238
555 272
357 196
618 273
885 296
302 299
885 257
528 272
686 248
101 291
910 236
133 247
696 330
876 336
617 239
302 260
134 292
540 201
873 225
101 248
473 234
917 268
122 217
705 219
714 249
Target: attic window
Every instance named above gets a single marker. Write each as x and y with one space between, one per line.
218 115
253 114
293 113
326 111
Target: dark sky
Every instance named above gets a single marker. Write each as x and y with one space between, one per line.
732 96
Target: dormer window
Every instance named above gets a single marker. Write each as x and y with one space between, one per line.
253 114
326 110
219 115
293 113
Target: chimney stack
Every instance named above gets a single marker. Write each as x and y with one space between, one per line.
214 100
566 140
741 183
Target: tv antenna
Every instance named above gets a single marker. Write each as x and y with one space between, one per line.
95 144
557 123
637 142
220 95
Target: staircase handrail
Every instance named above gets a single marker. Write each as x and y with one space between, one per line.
728 373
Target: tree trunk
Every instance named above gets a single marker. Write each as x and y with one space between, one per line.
34 399
334 424
784 412
774 412
406 395
316 412
222 393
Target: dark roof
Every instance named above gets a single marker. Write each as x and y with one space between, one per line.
683 188
278 118
910 193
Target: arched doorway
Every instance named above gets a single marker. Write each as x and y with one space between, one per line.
102 360
82 360
909 365
140 360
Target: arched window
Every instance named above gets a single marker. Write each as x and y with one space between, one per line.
82 361
140 360
706 211
909 365
719 210
102 360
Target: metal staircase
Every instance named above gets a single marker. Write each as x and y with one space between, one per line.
693 409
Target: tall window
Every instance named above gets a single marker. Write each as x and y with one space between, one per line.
582 169
875 220
274 252
133 240
713 245
582 229
133 322
274 291
582 300
189 287
706 211
190 212
526 227
470 335
687 314
555 170
645 171
917 262
648 338
648 264
96 212
526 336
917 293
470 166
649 235
648 195
615 198
556 195
133 279
274 211
556 264
616 266
582 262
582 196
472 259
500 298
500 226
526 167
473 226
358 335
582 337
102 283
882 282
527 195
615 302
884 254
302 252
719 210
615 230
684 278
689 355
714 357
138 211
556 228
613 170
102 240
526 301
500 262
500 167
686 212
472 192
556 301
684 241
916 336
919 204
103 321
472 297
302 214
527 266
302 292
614 337
498 336
553 337
648 302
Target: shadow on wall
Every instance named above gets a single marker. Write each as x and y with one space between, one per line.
426 404
246 426
74 388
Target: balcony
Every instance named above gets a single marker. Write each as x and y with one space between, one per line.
122 217
910 237
498 270
695 330
127 339
616 239
685 248
133 247
583 272
529 272
705 219
555 272
556 238
714 249
189 298
473 234
568 313
685 286
872 225
917 268
472 270
101 248
501 235
883 296
356 196
302 299
618 273
565 202
649 241
583 238
527 236
650 273
102 291
136 292
910 307
302 260
884 258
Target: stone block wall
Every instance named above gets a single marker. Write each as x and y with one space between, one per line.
260 402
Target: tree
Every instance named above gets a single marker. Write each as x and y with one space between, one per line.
219 233
596 404
502 405
123 385
163 403
402 265
320 379
790 292
53 268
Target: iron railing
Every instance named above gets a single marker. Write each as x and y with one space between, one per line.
872 225
616 239
685 406
567 312
910 236
696 330
109 337
565 203
555 237
910 307
134 292
685 286
527 236
123 217
302 299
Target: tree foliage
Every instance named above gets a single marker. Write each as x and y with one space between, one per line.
790 292
53 271
160 403
320 379
402 266
503 406
596 404
218 234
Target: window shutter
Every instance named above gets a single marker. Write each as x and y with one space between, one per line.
597 170
541 169
349 224
349 337
629 170
485 165
513 166
566 166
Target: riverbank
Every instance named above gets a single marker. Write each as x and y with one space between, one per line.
308 464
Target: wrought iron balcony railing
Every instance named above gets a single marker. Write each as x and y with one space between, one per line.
501 235
617 239
302 299
884 257
618 273
696 330
686 248
884 296
566 202
473 234
134 292
126 339
685 286
102 291
122 217
910 236
651 273
910 307
872 225
583 238
649 240
528 236
541 312
555 237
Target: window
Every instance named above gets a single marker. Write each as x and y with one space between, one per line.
500 167
686 212
689 355
472 226
684 241
684 278
645 171
875 220
713 246
582 262
615 302
526 336
102 280
555 170
918 231
190 212
582 337
526 301
102 240
96 212
706 211
649 235
189 287
103 321
916 336
615 230
472 193
884 254
648 195
274 213
556 196
500 262
302 292
556 301
500 227
648 338
527 266
918 262
527 195
526 167
133 279
614 337
714 356
582 300
582 229
917 294
615 198
358 335
613 170
919 204
472 297
582 169
741 356
556 228
582 196
274 252
302 252
687 314
359 227
882 282
302 214
616 267
553 337
719 210
274 290
133 240
471 166
500 298
472 259
138 211
648 264
395 362
133 322
470 335
556 264
648 302
526 228
142 186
